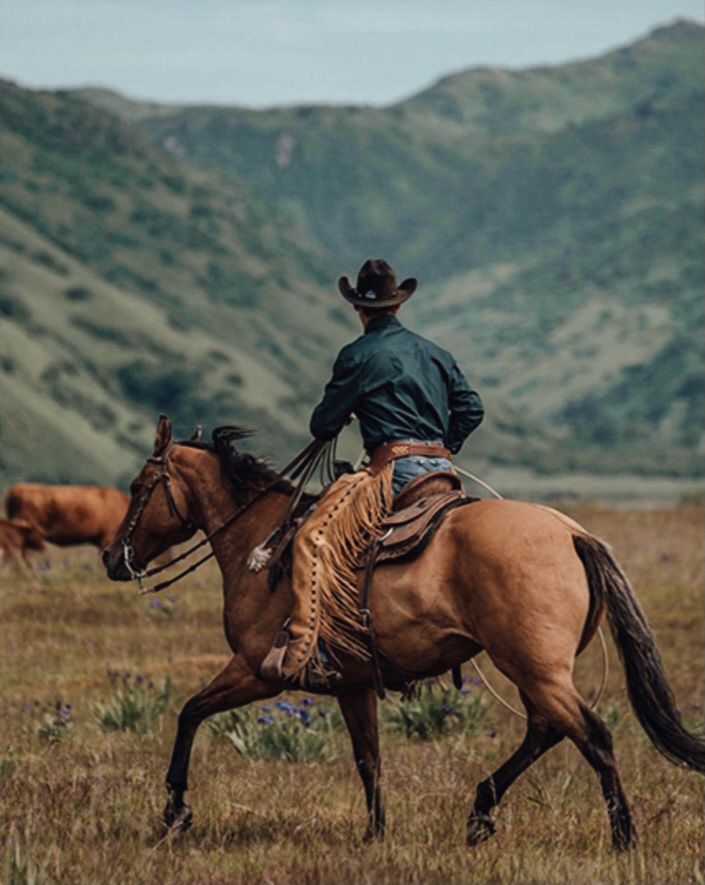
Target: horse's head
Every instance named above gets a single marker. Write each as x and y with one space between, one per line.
158 516
32 537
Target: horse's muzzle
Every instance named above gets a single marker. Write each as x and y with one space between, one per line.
115 565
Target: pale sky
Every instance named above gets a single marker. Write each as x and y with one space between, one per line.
260 53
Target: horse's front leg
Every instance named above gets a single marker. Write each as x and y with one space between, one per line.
234 686
359 709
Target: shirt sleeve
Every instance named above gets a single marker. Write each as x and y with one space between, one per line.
339 399
466 410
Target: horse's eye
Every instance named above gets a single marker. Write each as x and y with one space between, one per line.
135 488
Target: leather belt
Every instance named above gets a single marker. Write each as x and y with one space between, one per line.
390 451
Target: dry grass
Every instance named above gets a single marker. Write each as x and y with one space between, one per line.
87 809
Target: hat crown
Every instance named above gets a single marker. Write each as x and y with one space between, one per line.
376 286
376 280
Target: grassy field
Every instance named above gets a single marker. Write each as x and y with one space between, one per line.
80 803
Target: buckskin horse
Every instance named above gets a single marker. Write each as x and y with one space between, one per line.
521 581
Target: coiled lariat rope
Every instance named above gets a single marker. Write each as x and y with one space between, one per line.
485 681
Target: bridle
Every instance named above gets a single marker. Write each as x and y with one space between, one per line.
128 552
302 465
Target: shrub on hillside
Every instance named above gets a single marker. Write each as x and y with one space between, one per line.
13 308
78 293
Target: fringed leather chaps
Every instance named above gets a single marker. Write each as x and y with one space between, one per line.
328 548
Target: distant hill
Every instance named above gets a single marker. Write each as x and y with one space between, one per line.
130 284
184 260
133 283
553 215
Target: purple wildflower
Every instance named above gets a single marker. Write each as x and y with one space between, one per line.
265 720
307 702
155 604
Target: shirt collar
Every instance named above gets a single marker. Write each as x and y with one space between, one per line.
384 321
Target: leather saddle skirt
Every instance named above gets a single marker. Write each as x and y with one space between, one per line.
418 511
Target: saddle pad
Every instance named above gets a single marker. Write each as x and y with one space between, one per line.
414 526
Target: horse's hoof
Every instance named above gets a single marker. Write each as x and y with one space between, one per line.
178 819
624 842
480 828
373 834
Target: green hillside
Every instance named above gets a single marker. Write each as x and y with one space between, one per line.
132 283
553 215
184 260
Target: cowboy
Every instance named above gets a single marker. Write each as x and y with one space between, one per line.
415 409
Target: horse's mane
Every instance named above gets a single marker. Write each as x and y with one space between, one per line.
246 473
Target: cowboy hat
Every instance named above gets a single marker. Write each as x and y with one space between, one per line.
376 286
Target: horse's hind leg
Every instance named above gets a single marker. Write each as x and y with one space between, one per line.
234 686
569 715
539 738
359 709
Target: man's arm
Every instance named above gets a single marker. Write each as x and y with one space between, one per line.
466 411
339 400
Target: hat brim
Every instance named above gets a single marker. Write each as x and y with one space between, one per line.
402 293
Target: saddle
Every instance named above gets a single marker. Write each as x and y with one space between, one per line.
418 511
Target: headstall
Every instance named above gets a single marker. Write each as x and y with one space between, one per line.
302 465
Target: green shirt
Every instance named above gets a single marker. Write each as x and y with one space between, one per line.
400 386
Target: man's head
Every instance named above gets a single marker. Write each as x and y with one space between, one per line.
367 313
376 288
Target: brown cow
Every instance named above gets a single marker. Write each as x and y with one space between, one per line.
68 515
17 538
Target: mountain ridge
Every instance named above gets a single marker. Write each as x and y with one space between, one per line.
185 262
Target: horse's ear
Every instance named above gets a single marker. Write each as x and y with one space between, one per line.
197 433
162 441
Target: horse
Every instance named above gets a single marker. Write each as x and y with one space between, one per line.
521 581
68 514
17 538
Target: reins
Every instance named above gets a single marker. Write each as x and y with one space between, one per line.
302 466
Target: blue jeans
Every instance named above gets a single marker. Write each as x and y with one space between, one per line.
406 469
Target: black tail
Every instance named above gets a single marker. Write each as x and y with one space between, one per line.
650 695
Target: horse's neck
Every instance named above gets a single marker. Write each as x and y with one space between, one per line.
250 609
256 521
